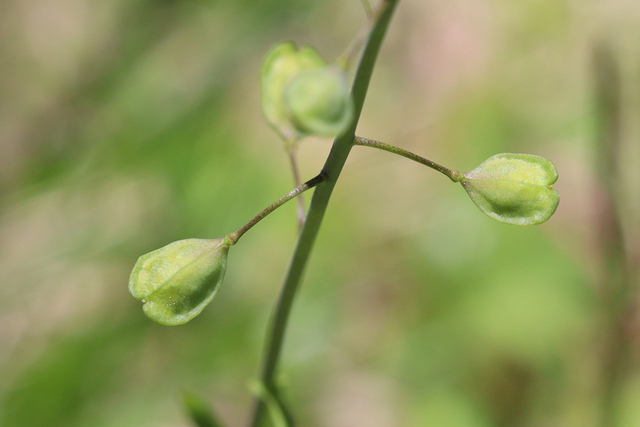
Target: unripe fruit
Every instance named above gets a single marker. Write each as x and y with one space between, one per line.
176 282
514 188
318 101
283 62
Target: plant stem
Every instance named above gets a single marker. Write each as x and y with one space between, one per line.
617 287
291 150
454 175
367 7
345 60
331 171
232 238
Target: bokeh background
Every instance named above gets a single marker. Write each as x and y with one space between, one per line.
125 125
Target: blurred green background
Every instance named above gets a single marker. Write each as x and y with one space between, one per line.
125 125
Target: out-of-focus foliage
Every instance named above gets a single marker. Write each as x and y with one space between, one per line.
128 125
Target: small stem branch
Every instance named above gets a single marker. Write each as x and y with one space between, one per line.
367 8
291 150
454 175
349 54
232 238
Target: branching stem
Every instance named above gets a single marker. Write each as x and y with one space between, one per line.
454 175
232 238
331 172
347 57
367 8
293 160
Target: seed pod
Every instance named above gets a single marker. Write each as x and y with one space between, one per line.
176 282
282 63
514 188
318 101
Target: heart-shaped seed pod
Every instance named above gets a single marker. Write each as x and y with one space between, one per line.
318 101
176 282
283 62
514 188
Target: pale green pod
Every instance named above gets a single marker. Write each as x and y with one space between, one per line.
319 102
282 63
514 188
176 282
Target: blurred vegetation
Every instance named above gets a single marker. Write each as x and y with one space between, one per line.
127 125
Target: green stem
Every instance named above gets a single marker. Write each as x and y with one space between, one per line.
344 61
277 411
617 287
291 150
232 238
454 175
331 171
367 7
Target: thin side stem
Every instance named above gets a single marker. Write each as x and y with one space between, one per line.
291 150
345 59
367 8
454 175
232 238
331 171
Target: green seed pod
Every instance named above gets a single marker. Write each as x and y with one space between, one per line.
514 188
282 63
176 282
318 101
